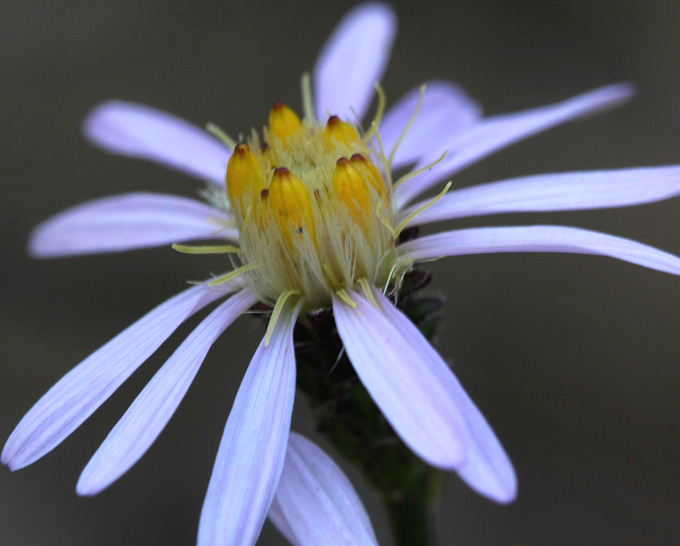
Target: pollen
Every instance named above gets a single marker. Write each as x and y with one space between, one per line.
305 196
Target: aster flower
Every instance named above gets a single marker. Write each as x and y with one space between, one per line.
318 221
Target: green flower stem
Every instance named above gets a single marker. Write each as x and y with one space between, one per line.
411 516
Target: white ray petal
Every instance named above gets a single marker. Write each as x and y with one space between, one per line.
555 191
537 239
497 132
487 468
152 409
353 61
446 110
141 131
315 504
126 222
82 390
407 387
250 459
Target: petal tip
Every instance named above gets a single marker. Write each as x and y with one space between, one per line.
36 247
13 461
6 459
507 494
87 487
93 124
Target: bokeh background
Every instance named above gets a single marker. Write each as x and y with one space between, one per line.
573 359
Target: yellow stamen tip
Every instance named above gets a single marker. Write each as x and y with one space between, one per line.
370 173
290 204
338 130
244 178
350 187
283 122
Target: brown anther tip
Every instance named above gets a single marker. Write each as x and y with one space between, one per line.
264 147
264 194
357 157
333 120
342 161
281 171
277 105
241 148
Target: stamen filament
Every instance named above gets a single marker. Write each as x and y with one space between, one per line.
223 249
231 275
386 166
331 275
219 133
420 209
421 93
389 279
416 173
385 220
222 223
276 312
382 100
307 97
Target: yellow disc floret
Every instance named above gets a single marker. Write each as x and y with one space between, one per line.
305 199
349 185
370 173
339 131
283 122
291 207
244 179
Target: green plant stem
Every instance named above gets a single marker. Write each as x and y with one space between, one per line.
411 517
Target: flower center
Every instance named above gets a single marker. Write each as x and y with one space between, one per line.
308 201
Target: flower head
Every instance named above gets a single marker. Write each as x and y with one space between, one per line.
317 219
304 201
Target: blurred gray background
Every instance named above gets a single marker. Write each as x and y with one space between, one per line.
573 359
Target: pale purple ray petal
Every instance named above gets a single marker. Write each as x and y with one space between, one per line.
126 222
82 390
253 447
487 468
446 110
155 405
315 504
141 131
276 516
555 191
353 61
497 132
537 239
406 385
